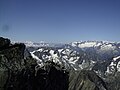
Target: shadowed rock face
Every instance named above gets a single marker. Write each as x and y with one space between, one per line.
19 73
4 43
86 80
11 60
41 79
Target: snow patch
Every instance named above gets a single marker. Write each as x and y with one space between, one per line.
116 58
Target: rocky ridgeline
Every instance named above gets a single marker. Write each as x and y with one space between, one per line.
17 73
23 73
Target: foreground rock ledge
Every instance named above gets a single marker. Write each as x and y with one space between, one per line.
17 73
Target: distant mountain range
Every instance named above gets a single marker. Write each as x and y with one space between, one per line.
85 65
78 55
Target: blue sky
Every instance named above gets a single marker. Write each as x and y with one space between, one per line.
60 20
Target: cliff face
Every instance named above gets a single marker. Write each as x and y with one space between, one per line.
19 73
11 60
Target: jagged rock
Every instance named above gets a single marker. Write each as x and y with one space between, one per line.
19 73
4 43
11 60
50 77
86 80
113 81
3 72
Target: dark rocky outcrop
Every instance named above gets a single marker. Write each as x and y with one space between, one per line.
11 60
4 43
50 77
113 81
86 80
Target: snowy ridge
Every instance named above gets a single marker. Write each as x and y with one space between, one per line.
90 55
68 57
87 44
114 65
